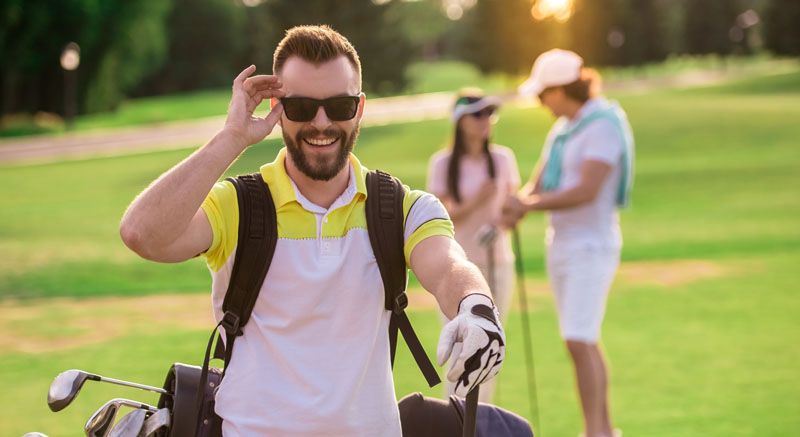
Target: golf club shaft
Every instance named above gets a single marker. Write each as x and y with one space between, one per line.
131 384
471 412
523 300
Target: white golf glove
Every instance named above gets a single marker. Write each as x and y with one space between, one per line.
476 341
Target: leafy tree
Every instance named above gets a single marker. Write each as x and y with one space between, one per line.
501 35
374 29
707 26
642 31
589 28
206 40
782 27
120 40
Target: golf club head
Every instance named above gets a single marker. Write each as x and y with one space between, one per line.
130 425
65 387
99 424
161 419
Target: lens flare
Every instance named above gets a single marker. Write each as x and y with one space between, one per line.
560 10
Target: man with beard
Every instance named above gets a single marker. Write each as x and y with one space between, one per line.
314 358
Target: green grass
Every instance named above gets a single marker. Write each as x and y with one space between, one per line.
717 176
431 77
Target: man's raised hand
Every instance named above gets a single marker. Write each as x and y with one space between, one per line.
248 92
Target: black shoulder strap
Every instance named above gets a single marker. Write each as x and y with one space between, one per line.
258 235
385 220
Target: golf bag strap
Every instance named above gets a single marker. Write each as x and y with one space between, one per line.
385 225
257 237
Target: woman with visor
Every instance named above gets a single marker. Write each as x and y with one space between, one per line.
473 177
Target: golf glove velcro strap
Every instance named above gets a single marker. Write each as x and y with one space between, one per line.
476 343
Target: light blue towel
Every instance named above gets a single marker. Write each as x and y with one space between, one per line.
611 111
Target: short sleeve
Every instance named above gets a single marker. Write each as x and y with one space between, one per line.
222 209
437 174
425 216
606 143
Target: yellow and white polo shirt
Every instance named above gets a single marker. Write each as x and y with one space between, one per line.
314 357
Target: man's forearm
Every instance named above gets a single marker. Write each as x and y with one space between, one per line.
163 210
460 280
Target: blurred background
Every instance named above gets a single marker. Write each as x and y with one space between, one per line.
99 97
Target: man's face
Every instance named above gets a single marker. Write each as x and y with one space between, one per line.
320 148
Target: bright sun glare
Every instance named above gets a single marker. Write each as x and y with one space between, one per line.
561 10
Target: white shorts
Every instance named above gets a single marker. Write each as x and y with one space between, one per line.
581 277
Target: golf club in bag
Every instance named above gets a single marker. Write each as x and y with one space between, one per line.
130 425
145 420
67 384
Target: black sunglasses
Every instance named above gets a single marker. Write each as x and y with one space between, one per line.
484 113
304 109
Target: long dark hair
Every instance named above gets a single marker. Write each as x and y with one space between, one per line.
459 148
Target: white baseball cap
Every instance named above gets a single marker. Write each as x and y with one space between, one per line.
554 67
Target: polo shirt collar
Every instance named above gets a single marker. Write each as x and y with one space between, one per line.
282 187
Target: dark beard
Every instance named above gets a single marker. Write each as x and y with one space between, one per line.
323 170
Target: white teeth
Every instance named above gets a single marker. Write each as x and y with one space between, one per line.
320 141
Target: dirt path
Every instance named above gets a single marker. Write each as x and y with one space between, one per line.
181 134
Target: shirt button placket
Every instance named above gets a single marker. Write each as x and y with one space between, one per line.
325 246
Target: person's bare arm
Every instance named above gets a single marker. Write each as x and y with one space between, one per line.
473 339
593 173
442 268
165 222
534 184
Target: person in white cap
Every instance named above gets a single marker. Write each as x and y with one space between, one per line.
584 175
472 177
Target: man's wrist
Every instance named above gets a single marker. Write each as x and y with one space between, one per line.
473 299
233 139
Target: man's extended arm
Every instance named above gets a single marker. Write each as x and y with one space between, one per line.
443 269
473 337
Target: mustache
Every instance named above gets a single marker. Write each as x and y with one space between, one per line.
331 132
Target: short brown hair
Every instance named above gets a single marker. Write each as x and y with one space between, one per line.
315 44
586 87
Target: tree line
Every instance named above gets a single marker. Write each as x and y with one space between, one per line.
151 47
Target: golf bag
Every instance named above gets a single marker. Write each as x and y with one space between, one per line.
194 387
429 417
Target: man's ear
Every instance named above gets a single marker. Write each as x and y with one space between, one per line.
272 103
361 102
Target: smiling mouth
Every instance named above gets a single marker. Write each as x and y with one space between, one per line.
320 142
